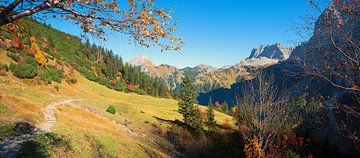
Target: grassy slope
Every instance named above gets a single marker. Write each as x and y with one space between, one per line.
90 129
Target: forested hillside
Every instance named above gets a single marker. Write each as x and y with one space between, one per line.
94 62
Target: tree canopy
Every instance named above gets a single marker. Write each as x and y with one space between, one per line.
147 24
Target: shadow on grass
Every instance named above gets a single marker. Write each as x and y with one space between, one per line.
220 143
15 129
40 147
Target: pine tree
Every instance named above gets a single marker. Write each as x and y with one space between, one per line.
225 107
197 124
211 122
187 100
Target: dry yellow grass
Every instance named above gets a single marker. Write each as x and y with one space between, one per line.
90 129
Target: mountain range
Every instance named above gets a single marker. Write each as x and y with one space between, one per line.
206 77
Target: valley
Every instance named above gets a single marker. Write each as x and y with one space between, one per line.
67 92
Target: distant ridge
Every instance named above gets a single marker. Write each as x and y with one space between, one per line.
206 77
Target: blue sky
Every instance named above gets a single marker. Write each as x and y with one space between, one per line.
217 32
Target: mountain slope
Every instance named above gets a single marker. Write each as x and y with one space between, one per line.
86 124
206 77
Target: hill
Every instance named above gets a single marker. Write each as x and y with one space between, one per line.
69 119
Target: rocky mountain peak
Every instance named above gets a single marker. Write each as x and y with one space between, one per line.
205 68
276 51
142 60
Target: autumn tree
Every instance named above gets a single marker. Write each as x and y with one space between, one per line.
39 57
333 55
211 122
264 112
142 20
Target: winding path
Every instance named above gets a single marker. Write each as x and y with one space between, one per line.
10 147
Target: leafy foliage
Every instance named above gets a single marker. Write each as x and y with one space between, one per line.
23 70
146 23
39 57
253 149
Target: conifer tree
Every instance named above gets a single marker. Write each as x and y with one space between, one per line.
187 108
211 122
225 107
187 100
197 124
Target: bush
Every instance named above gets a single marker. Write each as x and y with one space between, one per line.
292 154
30 60
13 56
23 70
89 75
51 74
120 86
111 109
3 69
71 79
139 91
57 88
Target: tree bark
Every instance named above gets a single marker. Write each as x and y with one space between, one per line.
6 19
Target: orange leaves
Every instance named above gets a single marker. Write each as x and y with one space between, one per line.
111 6
17 42
147 24
132 87
94 71
131 2
253 149
39 57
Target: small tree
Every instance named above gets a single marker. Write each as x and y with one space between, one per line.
264 112
111 109
187 108
187 100
211 122
197 124
225 107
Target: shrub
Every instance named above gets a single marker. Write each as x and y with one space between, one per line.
139 91
51 74
70 79
292 154
111 109
89 75
30 60
120 86
3 69
57 88
23 70
13 56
